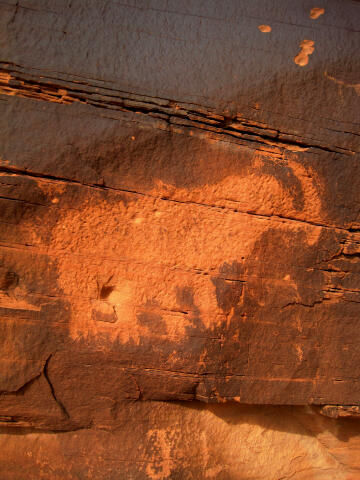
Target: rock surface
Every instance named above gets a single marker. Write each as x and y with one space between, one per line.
179 222
158 441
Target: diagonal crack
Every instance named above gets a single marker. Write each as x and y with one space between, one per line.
14 80
46 375
23 387
281 218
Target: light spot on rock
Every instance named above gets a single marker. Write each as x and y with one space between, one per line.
316 12
307 48
264 28
299 352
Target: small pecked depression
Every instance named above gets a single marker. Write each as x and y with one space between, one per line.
316 12
307 48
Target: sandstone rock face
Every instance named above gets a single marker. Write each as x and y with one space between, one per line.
157 440
179 240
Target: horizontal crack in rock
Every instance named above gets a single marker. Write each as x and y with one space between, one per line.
19 171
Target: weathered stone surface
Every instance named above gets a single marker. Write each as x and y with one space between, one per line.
179 221
191 441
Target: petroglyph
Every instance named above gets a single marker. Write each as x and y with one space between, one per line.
316 12
307 48
264 28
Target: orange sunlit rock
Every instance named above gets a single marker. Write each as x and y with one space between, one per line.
179 241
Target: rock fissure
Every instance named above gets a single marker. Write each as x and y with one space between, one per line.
55 397
13 82
18 171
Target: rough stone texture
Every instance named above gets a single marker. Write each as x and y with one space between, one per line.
191 441
179 208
